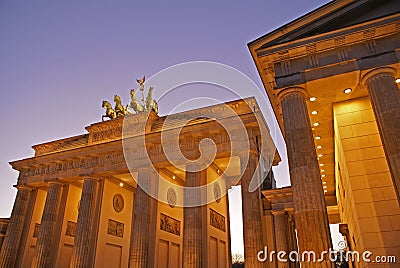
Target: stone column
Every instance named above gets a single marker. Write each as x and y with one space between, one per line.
252 212
308 195
385 98
9 249
81 254
47 225
139 253
292 240
193 256
281 239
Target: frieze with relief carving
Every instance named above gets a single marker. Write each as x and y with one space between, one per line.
217 220
115 228
170 225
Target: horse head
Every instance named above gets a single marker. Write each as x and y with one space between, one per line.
117 99
133 94
105 104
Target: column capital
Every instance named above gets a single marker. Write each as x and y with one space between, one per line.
56 182
23 187
377 71
292 90
278 212
92 178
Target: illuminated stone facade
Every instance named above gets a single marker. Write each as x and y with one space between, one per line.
79 205
331 79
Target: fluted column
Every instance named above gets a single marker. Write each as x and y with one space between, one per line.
385 98
292 240
308 195
139 256
81 254
47 225
252 212
9 249
281 231
193 255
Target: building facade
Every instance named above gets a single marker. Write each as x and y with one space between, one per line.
332 78
80 202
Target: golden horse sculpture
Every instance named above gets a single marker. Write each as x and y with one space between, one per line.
110 113
138 106
119 109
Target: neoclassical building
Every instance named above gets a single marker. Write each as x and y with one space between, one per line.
332 77
84 201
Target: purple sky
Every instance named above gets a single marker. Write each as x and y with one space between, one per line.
60 59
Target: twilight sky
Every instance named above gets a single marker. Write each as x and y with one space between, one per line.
60 59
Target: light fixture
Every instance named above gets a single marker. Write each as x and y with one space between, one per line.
322 170
323 175
324 182
316 124
320 155
319 147
325 187
397 80
121 184
314 112
347 90
313 98
321 165
173 177
218 171
325 191
318 138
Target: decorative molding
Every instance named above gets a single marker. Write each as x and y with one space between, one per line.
217 192
118 203
59 145
171 197
376 71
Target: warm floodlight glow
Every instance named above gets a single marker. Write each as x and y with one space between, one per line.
324 182
320 155
323 175
121 184
319 147
322 170
347 90
316 124
314 112
313 98
397 80
173 177
318 138
321 165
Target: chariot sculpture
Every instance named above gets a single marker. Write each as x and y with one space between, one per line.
119 110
